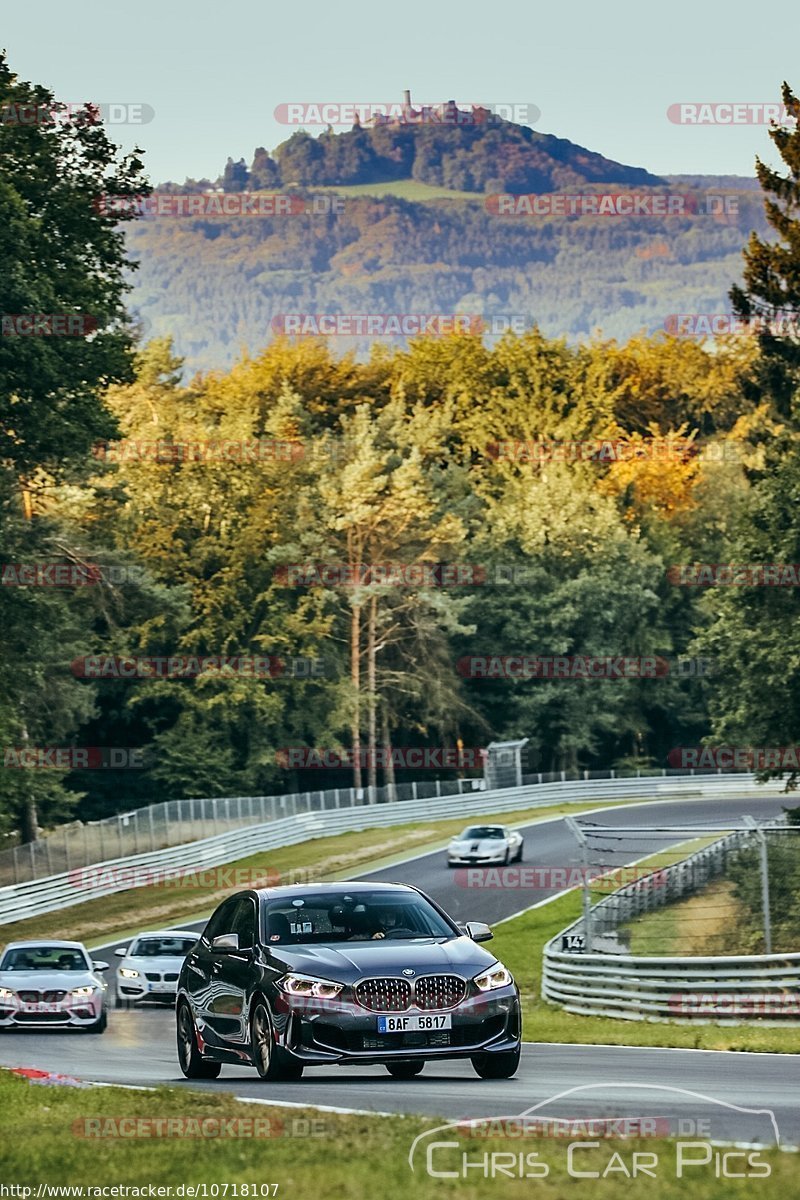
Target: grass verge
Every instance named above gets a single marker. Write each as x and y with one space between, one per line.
45 1142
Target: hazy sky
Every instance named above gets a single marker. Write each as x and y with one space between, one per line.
602 74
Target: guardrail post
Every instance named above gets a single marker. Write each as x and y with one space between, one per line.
336 797
764 865
578 833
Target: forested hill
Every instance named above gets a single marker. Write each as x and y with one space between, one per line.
414 232
485 156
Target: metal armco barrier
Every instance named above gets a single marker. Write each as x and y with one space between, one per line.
63 890
723 989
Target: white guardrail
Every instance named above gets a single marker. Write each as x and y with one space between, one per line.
33 898
608 981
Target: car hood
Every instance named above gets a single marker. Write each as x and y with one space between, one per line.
167 962
46 981
480 845
350 961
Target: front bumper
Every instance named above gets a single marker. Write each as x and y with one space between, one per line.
67 1013
476 860
135 990
330 1032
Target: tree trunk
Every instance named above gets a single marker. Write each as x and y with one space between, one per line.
386 738
355 679
371 700
29 830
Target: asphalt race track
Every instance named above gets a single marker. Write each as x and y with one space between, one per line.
681 1085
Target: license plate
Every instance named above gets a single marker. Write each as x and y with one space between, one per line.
163 988
41 1006
414 1024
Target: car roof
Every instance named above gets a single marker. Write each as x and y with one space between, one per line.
54 943
335 889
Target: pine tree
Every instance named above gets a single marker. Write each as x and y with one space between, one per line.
771 295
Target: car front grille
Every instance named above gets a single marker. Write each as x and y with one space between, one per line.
41 1018
29 997
439 991
384 995
153 976
171 978
398 995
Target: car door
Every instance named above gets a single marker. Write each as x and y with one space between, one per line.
232 970
202 965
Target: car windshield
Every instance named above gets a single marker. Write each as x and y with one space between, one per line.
483 831
161 947
356 917
44 958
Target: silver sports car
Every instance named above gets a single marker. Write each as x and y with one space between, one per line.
51 984
485 844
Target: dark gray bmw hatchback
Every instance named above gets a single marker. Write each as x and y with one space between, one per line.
288 977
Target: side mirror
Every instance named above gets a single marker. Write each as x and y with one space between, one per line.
478 931
121 951
99 965
226 943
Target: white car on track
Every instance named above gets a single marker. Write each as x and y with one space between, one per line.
151 965
485 844
49 984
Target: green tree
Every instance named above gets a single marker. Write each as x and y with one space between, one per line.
771 292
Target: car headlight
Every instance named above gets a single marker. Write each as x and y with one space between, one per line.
83 993
127 973
6 994
496 977
306 985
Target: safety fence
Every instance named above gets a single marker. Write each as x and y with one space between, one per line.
591 973
322 818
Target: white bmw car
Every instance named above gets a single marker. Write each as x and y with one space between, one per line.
151 965
485 844
52 985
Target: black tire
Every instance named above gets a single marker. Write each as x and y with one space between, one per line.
100 1025
270 1061
497 1066
404 1070
192 1063
519 852
507 858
